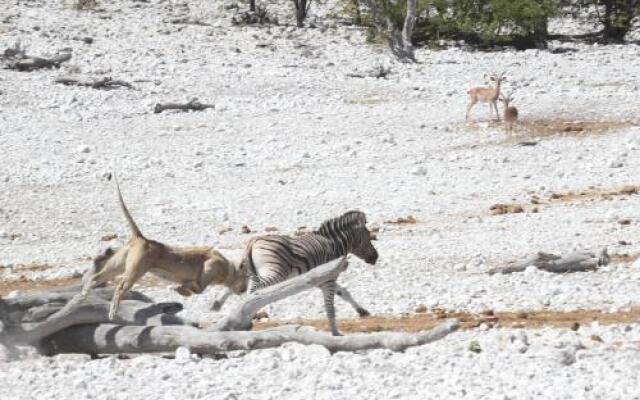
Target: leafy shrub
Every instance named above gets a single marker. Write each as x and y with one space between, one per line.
521 23
617 18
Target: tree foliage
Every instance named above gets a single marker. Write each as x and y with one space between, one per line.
617 17
522 23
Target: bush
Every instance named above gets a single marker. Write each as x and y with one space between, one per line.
521 23
617 18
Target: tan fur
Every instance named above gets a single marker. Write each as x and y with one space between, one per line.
510 113
486 95
193 268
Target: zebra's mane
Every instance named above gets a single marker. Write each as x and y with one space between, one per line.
346 222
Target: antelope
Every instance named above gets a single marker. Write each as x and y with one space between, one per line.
487 95
510 113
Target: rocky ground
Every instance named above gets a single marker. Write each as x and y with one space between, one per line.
294 140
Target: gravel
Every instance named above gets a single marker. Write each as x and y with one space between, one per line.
293 141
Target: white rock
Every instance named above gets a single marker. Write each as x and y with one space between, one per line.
183 354
616 164
532 270
80 384
419 170
566 356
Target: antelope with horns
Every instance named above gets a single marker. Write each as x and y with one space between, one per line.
488 95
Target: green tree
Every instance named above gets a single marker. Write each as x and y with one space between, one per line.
521 23
617 18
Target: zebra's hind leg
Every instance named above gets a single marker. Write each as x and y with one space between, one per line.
346 296
328 292
254 283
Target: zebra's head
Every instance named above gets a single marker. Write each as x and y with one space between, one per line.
350 232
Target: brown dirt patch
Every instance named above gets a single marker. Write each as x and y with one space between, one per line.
500 209
561 127
25 285
557 126
594 194
408 220
590 195
30 285
109 237
624 258
30 267
517 319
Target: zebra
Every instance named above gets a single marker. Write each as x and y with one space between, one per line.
271 259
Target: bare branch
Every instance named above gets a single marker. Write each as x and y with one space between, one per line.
93 311
29 63
95 83
240 318
574 262
193 105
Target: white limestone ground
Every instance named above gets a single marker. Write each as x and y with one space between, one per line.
294 141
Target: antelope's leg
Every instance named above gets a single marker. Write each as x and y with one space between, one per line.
469 107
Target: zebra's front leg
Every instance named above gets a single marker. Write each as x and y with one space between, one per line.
328 292
346 296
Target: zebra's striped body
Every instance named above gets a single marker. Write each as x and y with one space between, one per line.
274 258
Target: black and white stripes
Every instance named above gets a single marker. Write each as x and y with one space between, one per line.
274 258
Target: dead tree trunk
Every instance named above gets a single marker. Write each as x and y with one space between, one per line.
240 318
27 319
95 83
302 6
399 39
574 262
112 339
91 312
192 105
54 327
407 31
29 63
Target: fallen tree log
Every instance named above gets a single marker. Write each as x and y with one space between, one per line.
29 63
112 339
41 321
241 317
574 262
84 327
192 105
189 21
95 83
62 295
378 72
